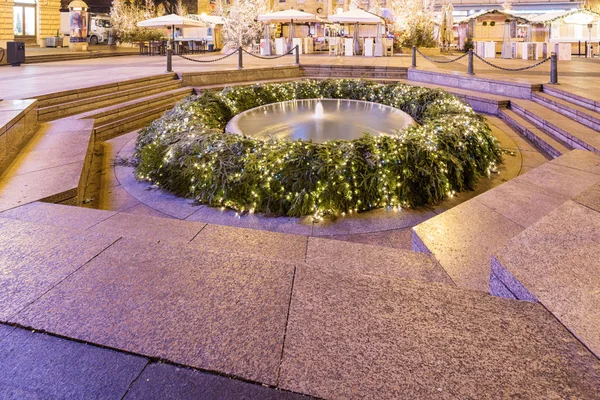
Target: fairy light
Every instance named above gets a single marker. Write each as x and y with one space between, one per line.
450 147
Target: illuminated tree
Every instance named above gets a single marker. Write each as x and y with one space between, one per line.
241 27
414 22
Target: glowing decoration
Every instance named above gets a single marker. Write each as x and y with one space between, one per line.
187 152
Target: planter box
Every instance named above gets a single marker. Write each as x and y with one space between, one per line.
428 51
54 41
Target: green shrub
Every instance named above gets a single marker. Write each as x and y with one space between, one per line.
188 153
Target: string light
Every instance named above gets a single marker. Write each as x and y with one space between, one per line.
422 164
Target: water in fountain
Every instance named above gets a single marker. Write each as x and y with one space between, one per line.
319 120
319 112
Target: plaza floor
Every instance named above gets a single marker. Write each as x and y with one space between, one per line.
150 296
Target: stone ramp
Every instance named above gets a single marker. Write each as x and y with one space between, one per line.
289 325
50 165
463 238
557 262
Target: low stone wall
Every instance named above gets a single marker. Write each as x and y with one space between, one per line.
18 120
243 75
492 86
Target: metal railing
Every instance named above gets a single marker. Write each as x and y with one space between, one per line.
471 70
239 51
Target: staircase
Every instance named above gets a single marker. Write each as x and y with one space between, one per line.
72 102
281 310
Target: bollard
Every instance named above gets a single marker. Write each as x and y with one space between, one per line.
553 69
297 53
414 57
240 60
470 67
169 58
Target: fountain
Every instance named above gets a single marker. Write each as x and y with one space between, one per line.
319 120
319 112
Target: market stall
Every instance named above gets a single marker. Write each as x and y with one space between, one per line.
358 17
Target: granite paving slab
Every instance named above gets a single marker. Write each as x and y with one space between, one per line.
163 381
204 310
251 242
213 215
371 337
58 215
580 159
354 258
34 258
560 179
145 227
557 262
34 186
5 330
522 202
38 366
462 239
590 198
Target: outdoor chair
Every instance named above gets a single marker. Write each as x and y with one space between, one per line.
143 49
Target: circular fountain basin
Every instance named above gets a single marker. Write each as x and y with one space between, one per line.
319 120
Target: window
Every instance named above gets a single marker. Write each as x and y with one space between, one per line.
24 19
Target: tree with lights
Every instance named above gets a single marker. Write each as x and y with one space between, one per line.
241 27
125 15
414 21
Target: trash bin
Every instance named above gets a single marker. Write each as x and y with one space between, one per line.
211 47
15 53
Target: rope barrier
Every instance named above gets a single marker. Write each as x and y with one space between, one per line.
440 61
269 57
512 69
208 61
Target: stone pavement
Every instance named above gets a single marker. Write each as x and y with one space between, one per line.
299 326
38 366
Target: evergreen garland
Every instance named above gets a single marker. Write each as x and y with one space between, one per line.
188 153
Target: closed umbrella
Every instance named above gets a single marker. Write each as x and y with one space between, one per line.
449 34
267 44
443 25
356 36
378 42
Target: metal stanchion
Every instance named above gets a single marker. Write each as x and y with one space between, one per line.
553 69
240 60
470 67
414 57
169 57
297 55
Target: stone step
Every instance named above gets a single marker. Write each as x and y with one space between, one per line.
572 97
354 71
77 94
516 88
561 127
119 111
548 144
347 257
556 262
138 115
463 238
286 325
99 101
584 116
76 56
